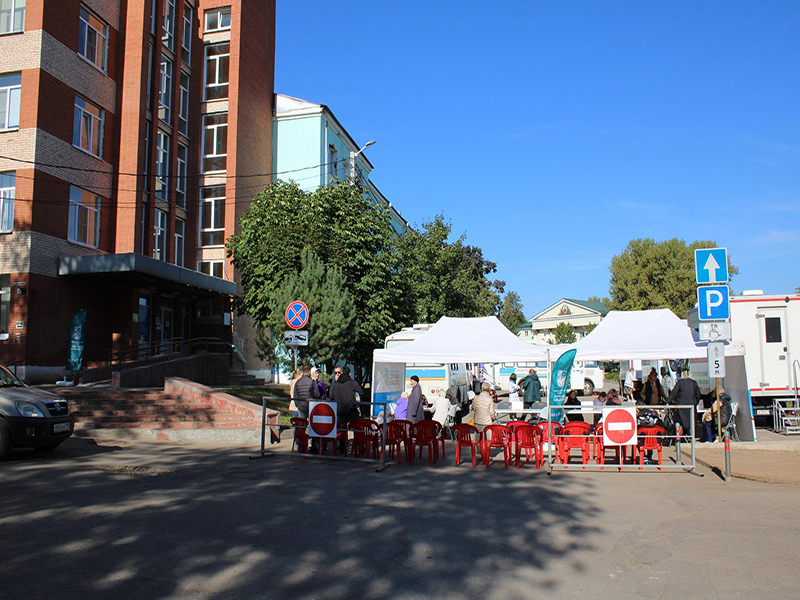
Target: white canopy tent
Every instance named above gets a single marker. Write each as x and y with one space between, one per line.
464 340
643 335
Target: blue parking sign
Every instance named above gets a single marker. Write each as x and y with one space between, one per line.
713 303
711 265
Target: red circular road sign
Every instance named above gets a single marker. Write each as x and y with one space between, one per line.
619 426
322 420
297 315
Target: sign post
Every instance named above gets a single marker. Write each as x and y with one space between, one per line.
296 317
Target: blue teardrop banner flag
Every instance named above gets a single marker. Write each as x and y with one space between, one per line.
76 336
559 383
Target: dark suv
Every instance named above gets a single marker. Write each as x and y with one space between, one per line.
29 417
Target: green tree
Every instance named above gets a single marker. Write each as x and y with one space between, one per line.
447 278
344 229
330 303
564 333
650 274
511 314
590 327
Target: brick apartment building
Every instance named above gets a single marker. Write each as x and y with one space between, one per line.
123 169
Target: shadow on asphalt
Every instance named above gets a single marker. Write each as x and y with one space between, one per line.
213 524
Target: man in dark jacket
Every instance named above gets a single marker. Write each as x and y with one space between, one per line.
344 394
533 388
416 409
305 389
686 391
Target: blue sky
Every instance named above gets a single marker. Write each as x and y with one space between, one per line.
553 133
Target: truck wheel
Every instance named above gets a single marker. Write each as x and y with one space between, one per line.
5 440
588 388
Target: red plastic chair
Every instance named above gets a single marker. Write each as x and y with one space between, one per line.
600 448
574 434
399 434
467 436
425 436
549 431
301 436
651 440
512 425
440 432
528 438
496 436
366 438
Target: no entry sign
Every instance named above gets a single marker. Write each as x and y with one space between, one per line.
297 315
619 426
322 419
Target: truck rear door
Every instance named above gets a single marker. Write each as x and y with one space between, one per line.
774 343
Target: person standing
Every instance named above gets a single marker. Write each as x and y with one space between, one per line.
532 387
484 408
441 407
686 392
653 392
416 410
344 394
513 393
304 390
292 406
323 393
627 387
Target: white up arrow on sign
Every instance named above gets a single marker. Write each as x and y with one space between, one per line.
712 266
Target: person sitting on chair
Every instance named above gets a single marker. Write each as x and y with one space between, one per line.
441 406
719 407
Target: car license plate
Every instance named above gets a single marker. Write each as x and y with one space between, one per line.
60 427
763 411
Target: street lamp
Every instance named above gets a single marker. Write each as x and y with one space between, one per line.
353 156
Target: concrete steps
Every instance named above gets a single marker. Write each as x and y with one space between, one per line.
115 409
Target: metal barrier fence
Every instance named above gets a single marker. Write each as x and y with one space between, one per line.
551 462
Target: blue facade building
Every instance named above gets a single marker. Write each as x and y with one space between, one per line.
312 148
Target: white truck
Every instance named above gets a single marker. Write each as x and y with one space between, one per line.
586 375
434 379
769 326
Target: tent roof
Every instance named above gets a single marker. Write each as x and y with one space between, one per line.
645 334
470 340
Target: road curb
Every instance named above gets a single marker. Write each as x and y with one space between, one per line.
757 479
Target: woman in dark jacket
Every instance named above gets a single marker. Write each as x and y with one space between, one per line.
572 401
653 393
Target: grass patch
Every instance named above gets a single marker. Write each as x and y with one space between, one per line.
277 398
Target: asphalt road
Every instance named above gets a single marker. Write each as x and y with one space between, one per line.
150 520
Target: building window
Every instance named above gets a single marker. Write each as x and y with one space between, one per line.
12 15
153 17
186 39
87 133
10 90
218 19
160 235
215 142
165 92
84 217
215 268
162 164
180 184
180 236
183 107
92 39
218 59
149 75
212 216
7 185
168 33
333 163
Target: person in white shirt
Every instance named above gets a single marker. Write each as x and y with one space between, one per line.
441 406
628 387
